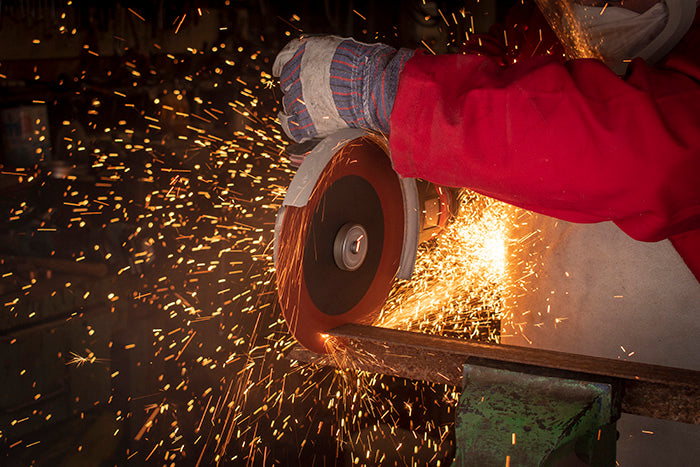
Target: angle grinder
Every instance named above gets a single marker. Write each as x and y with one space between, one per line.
349 227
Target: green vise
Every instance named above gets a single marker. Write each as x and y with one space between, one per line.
519 415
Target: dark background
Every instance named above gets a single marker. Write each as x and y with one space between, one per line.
141 173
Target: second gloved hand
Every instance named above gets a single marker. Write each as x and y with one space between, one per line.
330 83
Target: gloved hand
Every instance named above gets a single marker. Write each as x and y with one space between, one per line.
331 83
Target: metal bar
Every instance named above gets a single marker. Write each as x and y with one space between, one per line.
648 390
665 401
387 359
525 355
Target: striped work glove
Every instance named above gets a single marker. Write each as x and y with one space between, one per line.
331 83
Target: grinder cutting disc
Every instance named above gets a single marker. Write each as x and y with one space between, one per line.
338 254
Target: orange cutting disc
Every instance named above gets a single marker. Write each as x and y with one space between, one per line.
337 255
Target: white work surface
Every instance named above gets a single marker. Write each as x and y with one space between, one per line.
597 292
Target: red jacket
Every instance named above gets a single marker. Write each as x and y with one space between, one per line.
570 139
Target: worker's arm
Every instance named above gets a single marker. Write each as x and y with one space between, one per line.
572 140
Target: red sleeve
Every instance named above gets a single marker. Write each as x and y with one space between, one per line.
687 245
570 140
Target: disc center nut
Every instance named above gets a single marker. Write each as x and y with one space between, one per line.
350 247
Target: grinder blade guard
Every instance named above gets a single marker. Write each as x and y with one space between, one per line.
348 227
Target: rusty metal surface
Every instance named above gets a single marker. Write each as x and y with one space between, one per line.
648 390
523 355
664 401
434 367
